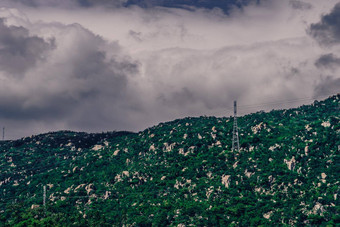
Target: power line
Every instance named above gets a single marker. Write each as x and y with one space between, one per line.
243 107
283 101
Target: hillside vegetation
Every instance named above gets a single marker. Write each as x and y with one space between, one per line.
180 173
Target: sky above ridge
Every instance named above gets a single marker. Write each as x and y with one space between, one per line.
101 65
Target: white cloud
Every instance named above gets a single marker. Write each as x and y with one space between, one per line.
129 68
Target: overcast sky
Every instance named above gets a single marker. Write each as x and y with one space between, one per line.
105 65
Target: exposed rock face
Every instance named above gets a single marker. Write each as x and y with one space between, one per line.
152 147
272 148
116 152
290 163
89 188
235 165
318 208
78 187
267 215
209 191
226 180
168 147
107 194
323 177
35 206
326 124
126 173
97 147
74 169
257 128
67 191
248 174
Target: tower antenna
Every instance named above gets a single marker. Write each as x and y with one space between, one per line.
44 196
236 142
3 133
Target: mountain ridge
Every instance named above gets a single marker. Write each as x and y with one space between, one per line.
180 173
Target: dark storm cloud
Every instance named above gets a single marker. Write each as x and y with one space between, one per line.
327 31
225 5
328 61
82 82
328 85
18 50
208 4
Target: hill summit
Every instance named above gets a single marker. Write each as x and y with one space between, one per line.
180 173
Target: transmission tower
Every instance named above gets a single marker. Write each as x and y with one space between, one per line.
236 142
44 196
3 133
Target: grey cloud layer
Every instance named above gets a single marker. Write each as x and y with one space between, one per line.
75 79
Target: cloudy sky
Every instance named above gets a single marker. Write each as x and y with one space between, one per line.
103 65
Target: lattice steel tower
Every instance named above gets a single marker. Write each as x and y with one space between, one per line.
236 142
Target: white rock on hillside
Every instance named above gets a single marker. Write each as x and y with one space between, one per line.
116 152
235 165
326 124
267 215
78 187
248 174
318 208
89 188
290 163
168 148
272 148
152 148
258 127
67 191
226 180
306 150
323 177
34 206
97 147
209 191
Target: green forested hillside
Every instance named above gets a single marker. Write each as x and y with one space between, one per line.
180 173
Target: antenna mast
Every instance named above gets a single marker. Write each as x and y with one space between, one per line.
236 142
3 133
44 195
